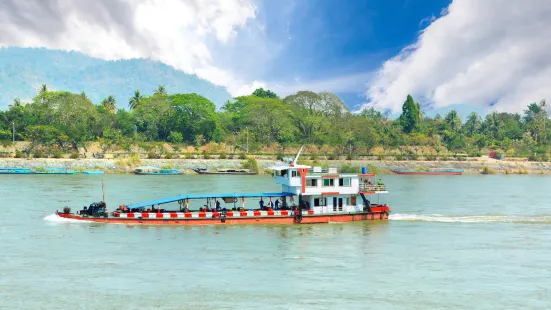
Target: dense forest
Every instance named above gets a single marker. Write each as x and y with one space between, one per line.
264 121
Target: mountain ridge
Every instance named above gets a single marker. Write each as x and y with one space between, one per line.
23 70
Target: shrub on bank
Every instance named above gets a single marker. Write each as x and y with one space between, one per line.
38 154
57 154
487 170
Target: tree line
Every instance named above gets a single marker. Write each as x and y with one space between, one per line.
60 119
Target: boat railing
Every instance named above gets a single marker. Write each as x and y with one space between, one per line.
373 187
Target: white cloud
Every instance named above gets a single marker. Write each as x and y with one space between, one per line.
479 52
186 34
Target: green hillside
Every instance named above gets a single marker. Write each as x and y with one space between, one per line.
23 70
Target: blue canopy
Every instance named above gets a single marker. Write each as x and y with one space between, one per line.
204 196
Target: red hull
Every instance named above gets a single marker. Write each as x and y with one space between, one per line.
379 213
428 173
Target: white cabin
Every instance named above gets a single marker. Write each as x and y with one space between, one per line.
326 190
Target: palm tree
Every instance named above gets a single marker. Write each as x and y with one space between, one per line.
136 100
110 103
161 90
453 120
16 103
42 92
43 89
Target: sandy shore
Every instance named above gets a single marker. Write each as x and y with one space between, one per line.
472 166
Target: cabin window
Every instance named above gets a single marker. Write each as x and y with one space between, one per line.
294 173
283 173
312 182
328 182
320 202
344 182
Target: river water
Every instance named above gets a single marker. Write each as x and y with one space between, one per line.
463 242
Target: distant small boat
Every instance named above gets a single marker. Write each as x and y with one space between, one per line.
15 171
93 172
54 171
148 170
430 172
226 171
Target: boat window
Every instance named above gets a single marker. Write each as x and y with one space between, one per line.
312 182
294 173
320 202
344 182
328 182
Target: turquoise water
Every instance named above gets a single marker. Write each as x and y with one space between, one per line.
461 242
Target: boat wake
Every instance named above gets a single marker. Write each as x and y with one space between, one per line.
57 219
545 219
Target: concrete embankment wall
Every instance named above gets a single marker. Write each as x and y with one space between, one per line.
120 166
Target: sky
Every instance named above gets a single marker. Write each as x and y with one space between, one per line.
469 55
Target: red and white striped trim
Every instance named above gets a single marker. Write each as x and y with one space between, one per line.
193 215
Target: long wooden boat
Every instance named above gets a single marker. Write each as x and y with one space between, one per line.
147 170
15 171
308 196
49 170
430 172
227 171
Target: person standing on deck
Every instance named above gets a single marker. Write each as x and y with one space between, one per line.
261 202
217 205
277 204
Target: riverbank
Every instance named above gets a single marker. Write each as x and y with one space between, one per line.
473 166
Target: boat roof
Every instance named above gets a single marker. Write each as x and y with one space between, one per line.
204 196
284 167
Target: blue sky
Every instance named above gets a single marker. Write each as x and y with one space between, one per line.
465 54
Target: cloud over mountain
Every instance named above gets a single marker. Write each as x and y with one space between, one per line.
491 52
186 34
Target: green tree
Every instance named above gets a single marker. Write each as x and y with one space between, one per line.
535 118
136 100
453 121
409 119
260 92
472 124
109 103
161 90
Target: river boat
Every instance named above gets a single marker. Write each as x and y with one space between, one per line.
148 170
49 170
94 172
309 195
15 171
226 171
430 172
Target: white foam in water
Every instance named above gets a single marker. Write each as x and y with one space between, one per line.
471 218
55 218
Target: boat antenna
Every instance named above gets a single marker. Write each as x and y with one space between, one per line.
298 154
103 189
